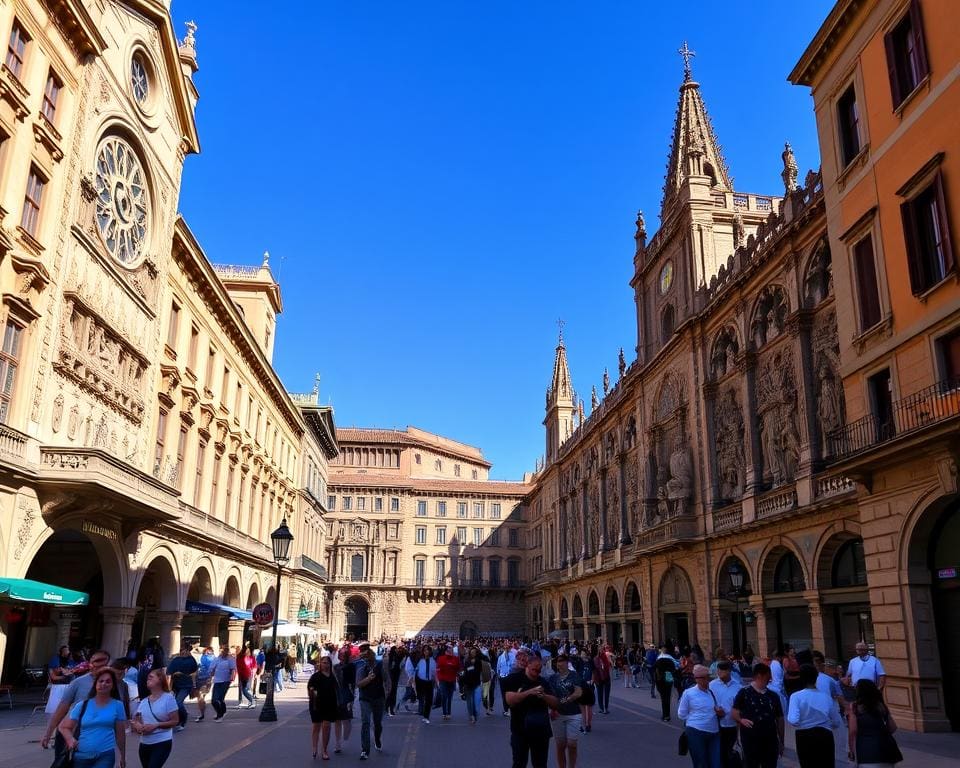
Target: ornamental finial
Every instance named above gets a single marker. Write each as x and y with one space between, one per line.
790 170
687 54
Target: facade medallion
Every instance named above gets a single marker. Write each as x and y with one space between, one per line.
122 200
666 277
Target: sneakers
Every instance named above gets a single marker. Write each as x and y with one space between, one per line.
378 744
364 755
219 718
179 728
426 721
198 719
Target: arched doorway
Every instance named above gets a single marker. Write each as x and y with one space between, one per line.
677 609
633 612
783 586
593 613
842 578
157 593
611 610
356 618
200 625
733 603
35 628
578 620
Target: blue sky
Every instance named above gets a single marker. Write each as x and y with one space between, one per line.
438 182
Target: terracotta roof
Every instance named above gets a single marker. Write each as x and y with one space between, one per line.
487 487
414 437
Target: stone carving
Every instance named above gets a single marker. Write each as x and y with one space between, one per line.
675 493
594 515
770 315
594 400
621 363
641 234
73 422
27 517
818 282
739 232
831 410
613 508
725 350
358 532
606 382
633 495
790 170
777 407
101 435
728 430
669 398
56 417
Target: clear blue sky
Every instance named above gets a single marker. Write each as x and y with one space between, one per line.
438 181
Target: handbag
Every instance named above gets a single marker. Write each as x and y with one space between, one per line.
891 750
65 758
683 744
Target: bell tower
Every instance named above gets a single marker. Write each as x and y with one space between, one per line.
561 403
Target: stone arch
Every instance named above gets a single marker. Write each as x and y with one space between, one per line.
577 607
271 596
670 396
768 318
773 560
158 581
722 579
676 589
724 350
818 274
668 323
632 599
253 594
611 601
231 589
552 617
202 587
564 609
831 540
593 603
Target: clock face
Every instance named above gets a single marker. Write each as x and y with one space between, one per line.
122 202
666 277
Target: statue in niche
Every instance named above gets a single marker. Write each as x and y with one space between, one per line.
728 422
594 400
789 443
679 487
724 352
621 363
818 283
739 232
101 435
73 422
770 316
769 440
829 404
613 508
595 514
56 418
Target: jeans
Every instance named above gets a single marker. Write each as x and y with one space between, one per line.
155 755
704 748
182 695
102 760
217 700
472 695
446 696
538 747
278 679
371 709
392 696
603 695
243 691
425 697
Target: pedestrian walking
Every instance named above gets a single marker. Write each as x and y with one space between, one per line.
567 687
246 670
589 698
372 684
95 728
448 669
725 690
223 671
758 711
665 671
814 715
79 689
602 672
156 717
426 672
181 671
871 729
345 674
470 683
529 702
778 677
204 681
325 697
395 660
701 714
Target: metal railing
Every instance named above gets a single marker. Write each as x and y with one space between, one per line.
908 415
309 564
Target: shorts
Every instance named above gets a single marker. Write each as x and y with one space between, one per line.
566 727
202 689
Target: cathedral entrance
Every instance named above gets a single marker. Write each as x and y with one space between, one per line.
676 606
356 619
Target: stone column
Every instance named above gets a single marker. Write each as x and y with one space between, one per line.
817 634
604 543
170 625
709 401
235 632
210 632
373 624
562 531
760 640
585 507
117 626
624 511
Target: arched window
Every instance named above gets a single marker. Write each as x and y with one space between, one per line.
356 568
667 323
633 598
594 604
577 607
788 575
564 609
849 566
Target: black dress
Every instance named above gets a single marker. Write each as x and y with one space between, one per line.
323 697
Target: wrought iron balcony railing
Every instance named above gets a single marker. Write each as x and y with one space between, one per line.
908 415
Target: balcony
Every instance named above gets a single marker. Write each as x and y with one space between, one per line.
934 405
305 563
213 530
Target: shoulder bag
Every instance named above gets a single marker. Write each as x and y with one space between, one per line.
65 758
891 751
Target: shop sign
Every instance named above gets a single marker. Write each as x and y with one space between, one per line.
947 573
100 530
263 615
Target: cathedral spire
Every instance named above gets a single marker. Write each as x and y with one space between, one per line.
561 402
694 151
560 387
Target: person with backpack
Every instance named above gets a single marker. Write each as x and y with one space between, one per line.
665 670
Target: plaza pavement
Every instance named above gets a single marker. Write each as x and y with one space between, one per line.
633 731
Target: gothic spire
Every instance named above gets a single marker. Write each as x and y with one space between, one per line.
694 150
560 386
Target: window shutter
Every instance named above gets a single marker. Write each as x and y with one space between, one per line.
948 261
892 69
916 23
867 289
910 241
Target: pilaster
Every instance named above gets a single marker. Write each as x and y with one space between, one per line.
170 626
117 628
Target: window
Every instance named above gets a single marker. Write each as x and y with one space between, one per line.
461 509
378 503
192 351
906 55
441 572
441 534
208 379
667 324
9 362
198 477
948 348
868 294
456 470
361 503
158 449
347 503
224 388
788 575
16 49
880 390
419 572
421 508
181 451
476 571
173 327
473 474
478 510
421 534
925 229
214 496
139 78
331 503
495 511
848 123
237 400
416 458
249 411
356 567
494 573
849 566
393 531
513 573
477 537
514 537
51 93
461 535
494 537
441 509
30 217
394 504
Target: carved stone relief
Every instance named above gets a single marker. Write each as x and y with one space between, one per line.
678 488
831 410
613 506
729 433
24 532
777 409
770 315
725 350
818 282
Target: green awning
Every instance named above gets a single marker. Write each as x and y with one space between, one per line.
37 592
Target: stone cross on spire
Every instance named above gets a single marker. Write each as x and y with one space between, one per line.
687 54
560 323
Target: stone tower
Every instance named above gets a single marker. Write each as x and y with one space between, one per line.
561 404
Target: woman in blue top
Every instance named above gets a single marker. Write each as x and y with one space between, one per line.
102 721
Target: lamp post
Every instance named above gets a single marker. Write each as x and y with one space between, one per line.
736 581
281 540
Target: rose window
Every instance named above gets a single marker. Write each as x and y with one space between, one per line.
122 202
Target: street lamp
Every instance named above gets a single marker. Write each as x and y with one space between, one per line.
735 572
281 540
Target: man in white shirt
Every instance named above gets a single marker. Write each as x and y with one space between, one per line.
863 666
725 690
426 675
505 663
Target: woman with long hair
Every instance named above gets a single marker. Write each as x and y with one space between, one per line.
157 715
102 720
588 698
871 729
325 694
